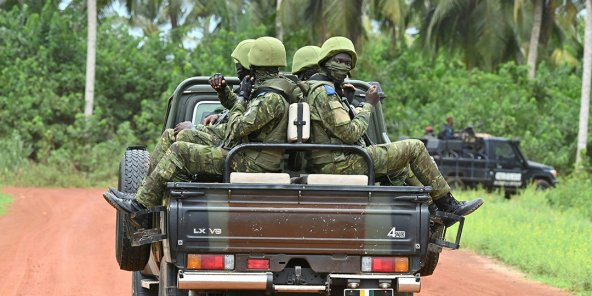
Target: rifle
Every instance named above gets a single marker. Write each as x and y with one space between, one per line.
347 101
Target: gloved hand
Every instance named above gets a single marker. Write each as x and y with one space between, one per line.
217 82
245 88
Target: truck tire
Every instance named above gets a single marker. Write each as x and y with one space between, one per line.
167 281
137 289
434 250
132 170
541 184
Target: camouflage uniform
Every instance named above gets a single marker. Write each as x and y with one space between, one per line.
331 124
210 135
264 118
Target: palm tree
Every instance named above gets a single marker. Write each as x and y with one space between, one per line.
326 18
586 76
393 17
482 31
534 37
91 51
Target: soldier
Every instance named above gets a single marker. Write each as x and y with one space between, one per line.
331 124
447 131
211 131
264 118
304 62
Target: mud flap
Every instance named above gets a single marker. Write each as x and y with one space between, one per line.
146 236
448 219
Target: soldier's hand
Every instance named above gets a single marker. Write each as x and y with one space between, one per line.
372 96
181 126
217 82
348 86
246 86
211 119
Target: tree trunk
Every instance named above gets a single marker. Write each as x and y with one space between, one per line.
586 76
534 38
91 51
279 28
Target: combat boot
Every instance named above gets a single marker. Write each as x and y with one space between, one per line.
460 208
124 202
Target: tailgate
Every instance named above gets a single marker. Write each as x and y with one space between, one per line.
297 219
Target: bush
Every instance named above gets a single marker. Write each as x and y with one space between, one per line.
14 153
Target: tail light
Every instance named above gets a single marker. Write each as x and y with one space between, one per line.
385 264
258 264
210 261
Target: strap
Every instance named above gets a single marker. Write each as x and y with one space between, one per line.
299 122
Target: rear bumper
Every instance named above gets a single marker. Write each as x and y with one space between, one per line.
263 281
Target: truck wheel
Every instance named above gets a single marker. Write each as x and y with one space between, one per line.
167 281
541 184
434 250
132 169
137 289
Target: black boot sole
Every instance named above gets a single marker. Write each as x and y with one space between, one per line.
110 198
467 211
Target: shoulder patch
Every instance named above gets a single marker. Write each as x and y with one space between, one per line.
329 89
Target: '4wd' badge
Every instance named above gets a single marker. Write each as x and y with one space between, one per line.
396 234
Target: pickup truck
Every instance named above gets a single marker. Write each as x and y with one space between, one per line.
493 162
288 233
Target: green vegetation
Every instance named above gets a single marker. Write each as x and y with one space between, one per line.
50 143
548 240
5 200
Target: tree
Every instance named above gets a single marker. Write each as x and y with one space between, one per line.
91 51
586 76
534 38
482 31
326 18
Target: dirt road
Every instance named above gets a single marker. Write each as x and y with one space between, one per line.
61 242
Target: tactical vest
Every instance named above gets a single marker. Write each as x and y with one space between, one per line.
290 90
274 132
320 134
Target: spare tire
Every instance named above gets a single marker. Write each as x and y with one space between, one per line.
132 170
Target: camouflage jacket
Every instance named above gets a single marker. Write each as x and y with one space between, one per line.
331 122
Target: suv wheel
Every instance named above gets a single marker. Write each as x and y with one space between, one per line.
541 184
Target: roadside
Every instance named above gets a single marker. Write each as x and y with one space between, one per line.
60 242
5 201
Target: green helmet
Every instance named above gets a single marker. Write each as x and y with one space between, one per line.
305 57
241 52
267 52
335 45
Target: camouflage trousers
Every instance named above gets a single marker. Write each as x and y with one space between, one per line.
200 135
404 161
188 159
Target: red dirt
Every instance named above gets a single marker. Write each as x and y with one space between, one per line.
61 242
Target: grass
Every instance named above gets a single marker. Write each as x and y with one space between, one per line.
42 175
5 200
550 245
